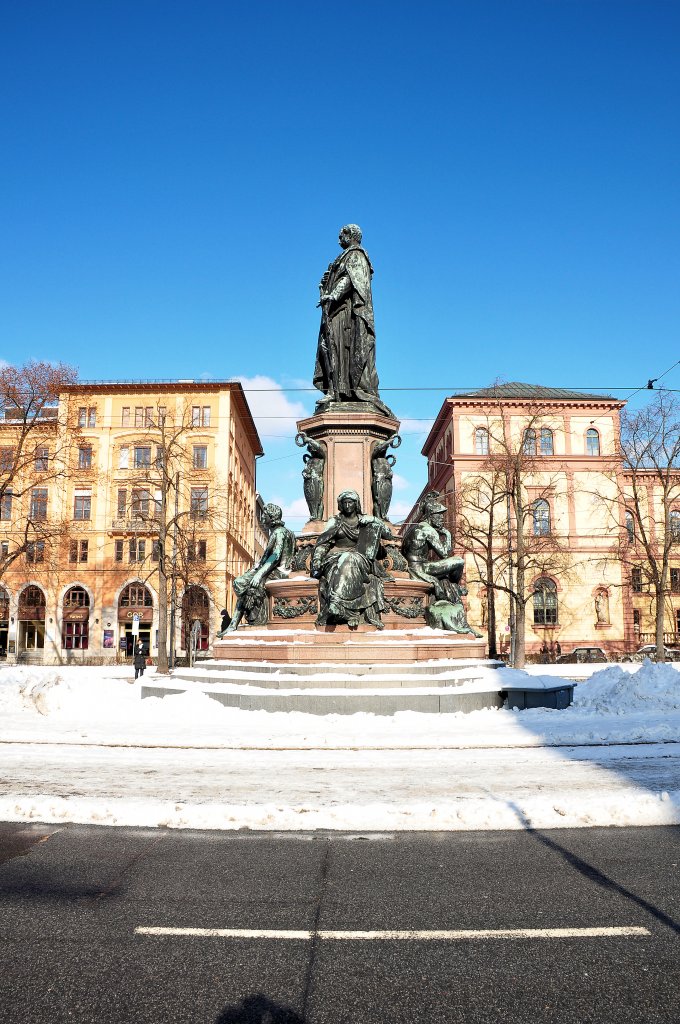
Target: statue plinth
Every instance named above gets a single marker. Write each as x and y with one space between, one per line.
348 435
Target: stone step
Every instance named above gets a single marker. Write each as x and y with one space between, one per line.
441 667
283 680
325 701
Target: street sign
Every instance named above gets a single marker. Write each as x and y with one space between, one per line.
135 624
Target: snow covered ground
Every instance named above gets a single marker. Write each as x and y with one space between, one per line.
79 744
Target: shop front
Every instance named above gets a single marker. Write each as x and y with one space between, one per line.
31 622
135 606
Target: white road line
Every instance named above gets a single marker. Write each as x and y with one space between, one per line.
416 935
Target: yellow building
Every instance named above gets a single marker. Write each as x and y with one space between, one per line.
561 448
118 482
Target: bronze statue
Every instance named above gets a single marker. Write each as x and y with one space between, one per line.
312 474
249 587
444 573
345 361
381 475
344 562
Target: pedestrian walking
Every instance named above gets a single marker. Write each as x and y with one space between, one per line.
139 660
226 622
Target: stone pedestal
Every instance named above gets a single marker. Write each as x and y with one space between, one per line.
348 436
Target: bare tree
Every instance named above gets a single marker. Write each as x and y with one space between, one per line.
504 518
178 504
650 488
37 439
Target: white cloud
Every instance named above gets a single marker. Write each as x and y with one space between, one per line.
400 483
412 426
399 510
274 413
296 511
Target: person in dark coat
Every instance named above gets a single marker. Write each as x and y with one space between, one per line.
226 622
139 660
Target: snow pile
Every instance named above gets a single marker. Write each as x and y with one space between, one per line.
615 691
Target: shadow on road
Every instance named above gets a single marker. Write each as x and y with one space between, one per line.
594 875
257 1009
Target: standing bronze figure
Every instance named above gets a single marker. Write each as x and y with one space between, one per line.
345 361
312 474
381 475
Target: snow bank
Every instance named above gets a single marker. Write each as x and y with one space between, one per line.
615 691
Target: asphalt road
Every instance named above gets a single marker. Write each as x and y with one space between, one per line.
73 900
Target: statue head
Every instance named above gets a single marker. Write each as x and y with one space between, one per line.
273 513
344 500
350 234
430 505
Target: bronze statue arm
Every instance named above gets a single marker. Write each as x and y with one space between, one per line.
342 288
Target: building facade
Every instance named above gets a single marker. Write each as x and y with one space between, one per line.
559 451
124 488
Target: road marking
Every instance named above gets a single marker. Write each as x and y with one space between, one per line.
415 935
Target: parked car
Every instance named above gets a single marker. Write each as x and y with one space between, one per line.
582 655
649 651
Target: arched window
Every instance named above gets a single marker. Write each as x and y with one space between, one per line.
630 526
31 619
545 602
529 442
4 605
592 442
674 523
547 447
196 608
136 595
540 511
75 616
636 579
481 441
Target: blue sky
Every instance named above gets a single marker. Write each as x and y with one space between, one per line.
174 175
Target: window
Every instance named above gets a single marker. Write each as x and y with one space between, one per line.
6 506
136 595
77 551
148 415
140 503
200 416
199 502
38 504
82 504
675 581
137 550
139 415
547 447
545 603
200 460
674 524
6 459
481 441
76 597
160 458
162 413
196 551
123 457
118 551
74 636
42 458
540 511
630 526
142 458
4 548
636 579
35 551
92 417
529 442
82 417
125 416
636 620
592 442
155 551
85 458
122 503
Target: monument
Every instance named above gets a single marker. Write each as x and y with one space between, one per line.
349 588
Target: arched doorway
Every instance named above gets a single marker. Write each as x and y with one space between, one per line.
135 600
75 620
4 621
31 619
196 607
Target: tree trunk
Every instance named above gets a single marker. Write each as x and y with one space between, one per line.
162 599
658 623
491 607
520 604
